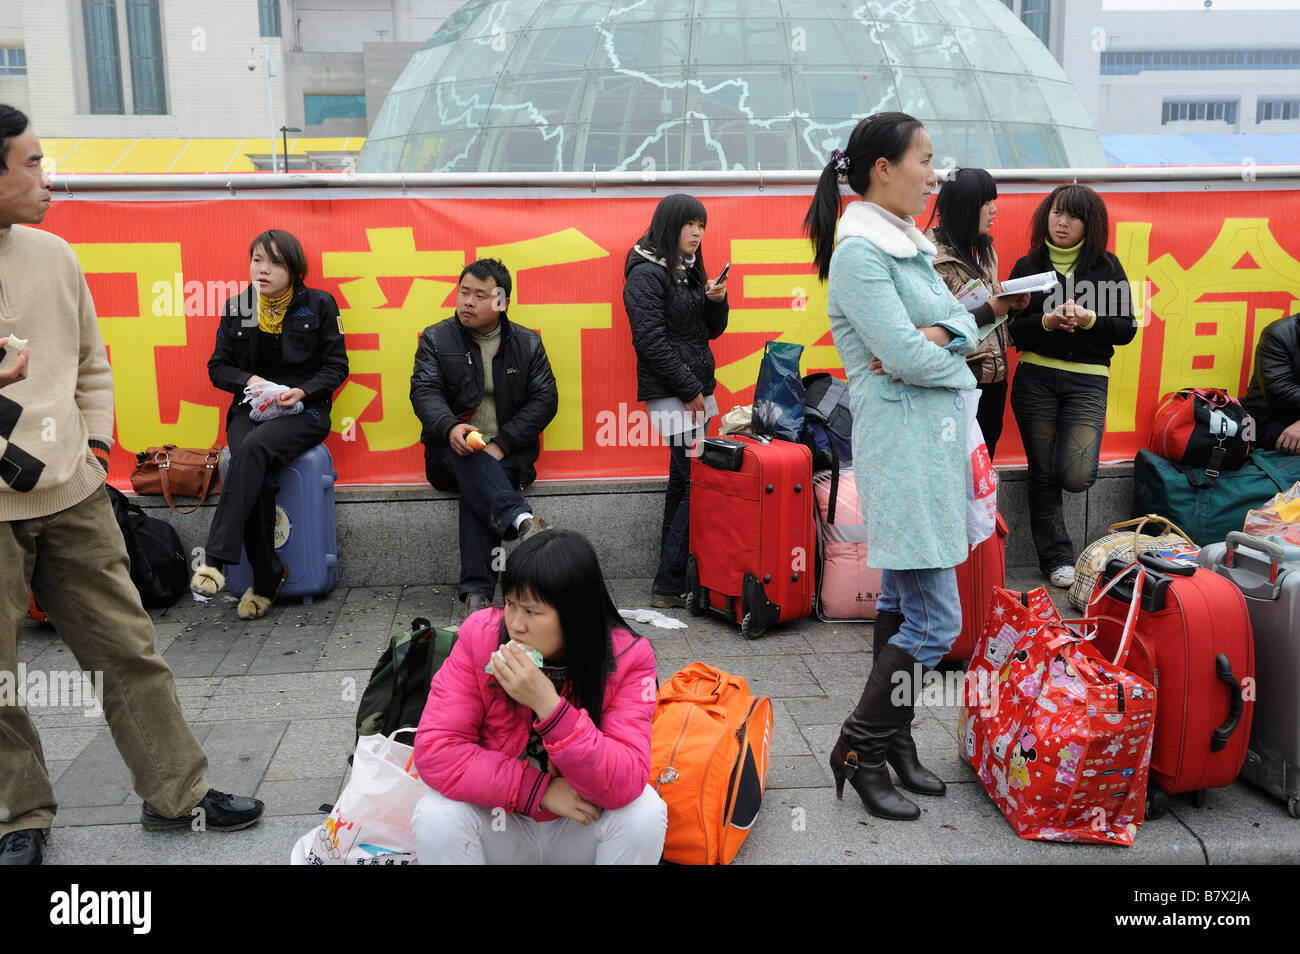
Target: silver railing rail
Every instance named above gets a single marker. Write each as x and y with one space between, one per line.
594 180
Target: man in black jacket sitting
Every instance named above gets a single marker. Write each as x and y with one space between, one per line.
477 373
1274 395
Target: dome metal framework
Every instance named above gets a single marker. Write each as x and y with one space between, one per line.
699 85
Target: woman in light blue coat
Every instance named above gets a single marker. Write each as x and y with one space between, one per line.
903 339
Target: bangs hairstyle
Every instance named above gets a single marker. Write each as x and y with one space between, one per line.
560 568
664 235
880 136
959 207
1082 203
283 249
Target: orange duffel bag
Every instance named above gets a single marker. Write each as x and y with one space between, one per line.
708 761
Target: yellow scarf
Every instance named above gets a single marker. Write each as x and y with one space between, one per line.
270 311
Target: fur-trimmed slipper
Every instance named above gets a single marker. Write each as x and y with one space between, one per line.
252 606
207 581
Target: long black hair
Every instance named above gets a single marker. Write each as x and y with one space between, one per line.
1082 203
560 568
883 135
959 207
664 235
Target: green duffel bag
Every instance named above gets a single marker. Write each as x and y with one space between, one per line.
1208 508
399 685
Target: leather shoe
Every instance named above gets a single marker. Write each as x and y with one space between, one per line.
217 811
23 847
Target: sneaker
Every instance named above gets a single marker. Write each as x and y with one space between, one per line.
23 847
531 527
1062 576
219 811
667 600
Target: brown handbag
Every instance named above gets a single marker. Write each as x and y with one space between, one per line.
182 471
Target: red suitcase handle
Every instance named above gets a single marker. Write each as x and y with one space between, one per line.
1236 704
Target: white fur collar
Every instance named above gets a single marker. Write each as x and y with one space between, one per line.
899 237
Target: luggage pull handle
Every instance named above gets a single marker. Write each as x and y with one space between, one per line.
1276 555
1236 704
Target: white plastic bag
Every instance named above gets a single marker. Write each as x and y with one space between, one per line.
262 399
371 822
981 478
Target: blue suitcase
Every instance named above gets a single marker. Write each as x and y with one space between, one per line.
306 535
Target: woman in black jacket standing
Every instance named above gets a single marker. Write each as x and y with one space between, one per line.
277 331
674 310
1066 338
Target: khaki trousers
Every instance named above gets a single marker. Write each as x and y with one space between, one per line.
75 562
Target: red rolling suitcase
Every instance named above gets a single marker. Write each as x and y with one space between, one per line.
985 568
753 535
1194 644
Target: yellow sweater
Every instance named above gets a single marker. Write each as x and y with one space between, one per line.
66 401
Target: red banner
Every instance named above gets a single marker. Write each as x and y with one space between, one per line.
1209 270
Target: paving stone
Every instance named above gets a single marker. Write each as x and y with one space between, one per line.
55 768
299 796
820 709
239 753
774 676
290 648
840 673
98 776
313 748
65 744
795 771
786 738
1240 825
266 843
839 638
709 644
200 650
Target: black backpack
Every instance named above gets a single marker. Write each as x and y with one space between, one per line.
158 567
827 427
399 685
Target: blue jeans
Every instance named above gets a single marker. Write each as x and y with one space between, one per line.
1061 416
931 608
674 535
489 506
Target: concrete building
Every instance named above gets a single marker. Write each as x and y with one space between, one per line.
1176 67
185 69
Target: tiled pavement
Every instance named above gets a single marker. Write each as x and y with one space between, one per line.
273 702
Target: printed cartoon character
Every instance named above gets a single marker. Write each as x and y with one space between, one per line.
1001 645
1031 684
1066 678
1137 692
1021 756
1000 776
1114 747
970 740
1000 746
1067 771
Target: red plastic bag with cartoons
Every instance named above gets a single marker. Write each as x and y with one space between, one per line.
1059 737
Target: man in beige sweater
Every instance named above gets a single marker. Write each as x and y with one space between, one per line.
59 539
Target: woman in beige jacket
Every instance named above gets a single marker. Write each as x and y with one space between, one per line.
966 209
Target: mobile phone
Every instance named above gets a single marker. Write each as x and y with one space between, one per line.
723 274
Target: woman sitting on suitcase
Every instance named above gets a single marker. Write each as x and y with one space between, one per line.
277 332
903 339
535 741
1066 339
674 309
966 209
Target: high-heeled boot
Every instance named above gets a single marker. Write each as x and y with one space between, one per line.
861 751
902 755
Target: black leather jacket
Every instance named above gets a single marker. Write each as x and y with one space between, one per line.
672 324
1275 383
1101 287
447 387
312 352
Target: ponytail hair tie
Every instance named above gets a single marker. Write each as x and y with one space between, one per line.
841 161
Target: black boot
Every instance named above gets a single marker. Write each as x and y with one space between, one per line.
902 747
864 742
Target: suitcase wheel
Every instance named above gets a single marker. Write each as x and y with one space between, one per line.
1293 806
1157 802
749 630
696 601
1198 798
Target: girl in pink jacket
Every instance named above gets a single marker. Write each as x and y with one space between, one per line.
545 759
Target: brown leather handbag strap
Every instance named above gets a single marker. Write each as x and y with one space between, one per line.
208 470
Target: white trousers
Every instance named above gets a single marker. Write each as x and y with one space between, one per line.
448 832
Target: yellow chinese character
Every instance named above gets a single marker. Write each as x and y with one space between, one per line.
798 315
132 341
392 254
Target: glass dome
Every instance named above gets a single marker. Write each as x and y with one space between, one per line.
562 85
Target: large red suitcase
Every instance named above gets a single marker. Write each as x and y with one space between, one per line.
753 536
985 568
1194 644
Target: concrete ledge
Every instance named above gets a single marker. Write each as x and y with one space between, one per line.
407 534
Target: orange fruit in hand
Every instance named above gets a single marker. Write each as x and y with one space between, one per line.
475 441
